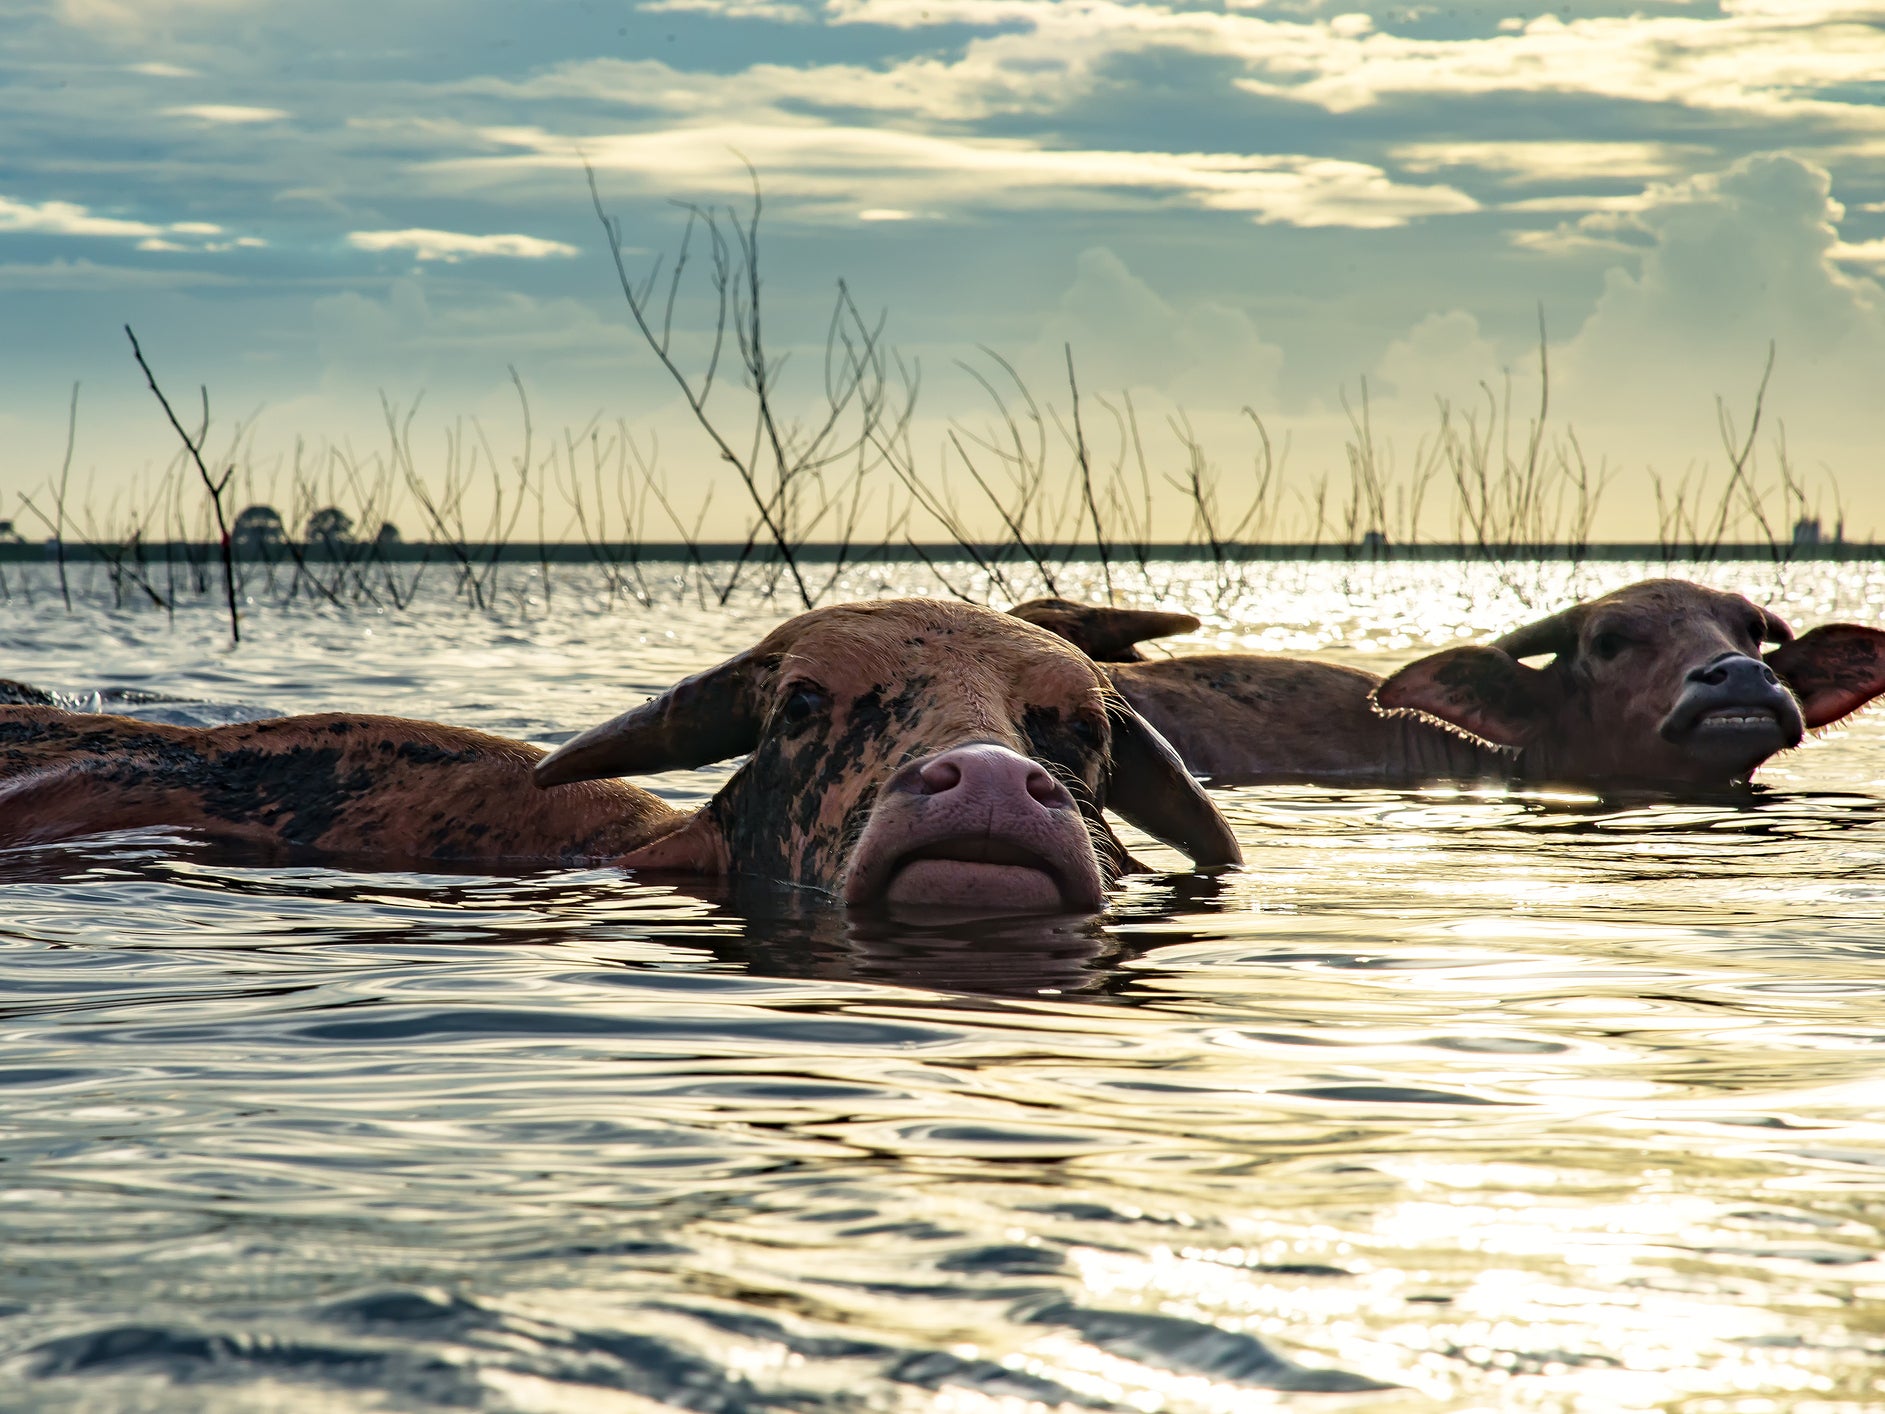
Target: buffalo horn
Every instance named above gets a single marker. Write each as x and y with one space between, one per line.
1105 635
699 720
1557 634
1778 630
1152 789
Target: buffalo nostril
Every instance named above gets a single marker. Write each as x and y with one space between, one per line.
1714 675
1768 676
1044 787
939 776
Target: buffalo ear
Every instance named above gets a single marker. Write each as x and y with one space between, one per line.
1151 788
699 720
1834 670
1483 692
1104 634
697 847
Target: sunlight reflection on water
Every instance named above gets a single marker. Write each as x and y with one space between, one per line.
1451 1100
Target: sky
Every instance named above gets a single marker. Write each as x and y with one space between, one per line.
318 210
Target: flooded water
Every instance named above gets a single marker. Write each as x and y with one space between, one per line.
1446 1102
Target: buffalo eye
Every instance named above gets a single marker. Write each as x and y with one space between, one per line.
1087 731
804 700
1757 630
1608 644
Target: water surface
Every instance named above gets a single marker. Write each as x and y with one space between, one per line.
1449 1101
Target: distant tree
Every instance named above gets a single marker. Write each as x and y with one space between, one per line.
10 536
388 535
258 532
329 528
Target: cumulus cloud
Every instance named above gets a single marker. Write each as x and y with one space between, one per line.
1728 262
1124 334
1870 253
431 329
453 246
1444 357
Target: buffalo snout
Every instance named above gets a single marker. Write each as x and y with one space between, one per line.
976 826
982 772
1735 671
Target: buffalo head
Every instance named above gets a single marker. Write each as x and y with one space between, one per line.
911 752
1663 681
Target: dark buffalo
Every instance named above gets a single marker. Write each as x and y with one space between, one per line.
1662 684
906 751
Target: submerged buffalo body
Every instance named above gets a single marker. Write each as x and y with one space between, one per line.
904 751
1662 684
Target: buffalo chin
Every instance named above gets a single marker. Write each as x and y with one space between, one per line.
979 874
976 885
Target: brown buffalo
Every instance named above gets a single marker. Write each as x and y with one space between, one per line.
1661 684
905 751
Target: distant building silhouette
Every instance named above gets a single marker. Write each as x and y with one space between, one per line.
10 536
1808 533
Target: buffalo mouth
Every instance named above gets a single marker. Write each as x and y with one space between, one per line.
1716 728
976 872
982 873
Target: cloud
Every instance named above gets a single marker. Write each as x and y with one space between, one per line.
1772 59
931 160
65 218
1751 58
838 171
1860 253
227 113
120 16
431 329
1010 73
84 275
453 246
1124 334
1556 161
778 10
1728 262
1445 356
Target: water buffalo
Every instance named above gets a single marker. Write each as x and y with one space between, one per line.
1662 684
906 751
